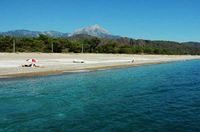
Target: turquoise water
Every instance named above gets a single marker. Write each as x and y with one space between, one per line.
163 97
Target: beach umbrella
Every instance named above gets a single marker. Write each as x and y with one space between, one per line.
31 60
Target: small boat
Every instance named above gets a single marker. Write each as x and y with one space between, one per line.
78 61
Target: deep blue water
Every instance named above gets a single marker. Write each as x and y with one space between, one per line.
153 98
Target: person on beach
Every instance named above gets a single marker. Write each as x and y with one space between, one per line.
26 65
38 66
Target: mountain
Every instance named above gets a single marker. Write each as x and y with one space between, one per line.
55 34
95 30
193 44
28 33
20 33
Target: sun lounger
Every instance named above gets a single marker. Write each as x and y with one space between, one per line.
78 61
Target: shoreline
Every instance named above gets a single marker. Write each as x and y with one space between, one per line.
85 69
58 63
73 70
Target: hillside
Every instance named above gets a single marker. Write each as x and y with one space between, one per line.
167 45
80 37
193 44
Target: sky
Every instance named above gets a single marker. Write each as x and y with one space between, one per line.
171 20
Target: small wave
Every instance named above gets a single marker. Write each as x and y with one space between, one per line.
103 69
5 77
78 71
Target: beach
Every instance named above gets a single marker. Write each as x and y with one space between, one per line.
10 63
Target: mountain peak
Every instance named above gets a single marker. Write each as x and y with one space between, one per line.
94 30
95 26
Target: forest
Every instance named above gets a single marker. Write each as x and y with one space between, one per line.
46 44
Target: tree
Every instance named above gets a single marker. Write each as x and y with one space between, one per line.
139 50
158 51
64 42
75 47
93 44
57 47
126 49
86 45
110 47
38 45
6 44
148 50
47 42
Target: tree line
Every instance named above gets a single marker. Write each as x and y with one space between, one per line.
46 44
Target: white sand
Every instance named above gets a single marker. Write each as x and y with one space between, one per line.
55 63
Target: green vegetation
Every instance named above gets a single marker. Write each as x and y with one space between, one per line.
44 43
128 49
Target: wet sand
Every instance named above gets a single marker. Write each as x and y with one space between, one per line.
10 63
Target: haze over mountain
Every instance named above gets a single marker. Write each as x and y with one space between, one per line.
95 30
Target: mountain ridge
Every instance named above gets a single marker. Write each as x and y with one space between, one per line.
193 44
94 30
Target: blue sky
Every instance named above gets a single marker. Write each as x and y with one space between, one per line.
173 20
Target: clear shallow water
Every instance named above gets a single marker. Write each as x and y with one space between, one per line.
163 97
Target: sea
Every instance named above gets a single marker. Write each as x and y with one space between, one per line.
151 98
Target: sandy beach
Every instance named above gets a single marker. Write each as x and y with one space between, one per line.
10 63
